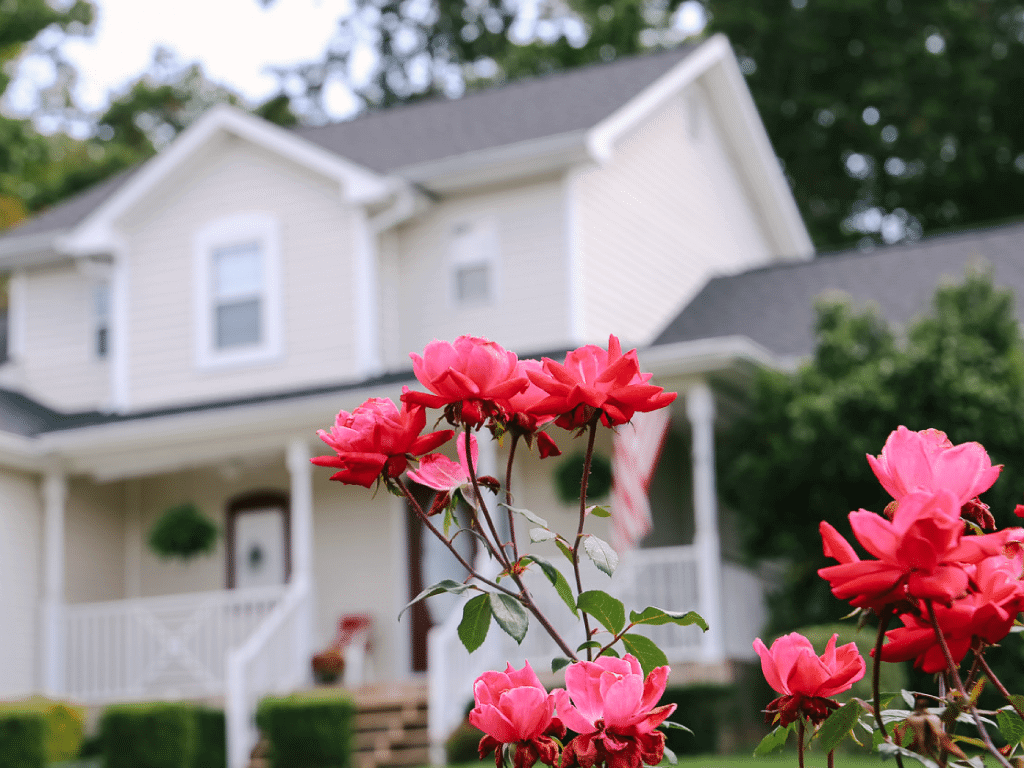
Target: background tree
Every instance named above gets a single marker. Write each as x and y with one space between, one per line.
798 456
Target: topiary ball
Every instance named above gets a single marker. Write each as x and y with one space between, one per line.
569 476
183 531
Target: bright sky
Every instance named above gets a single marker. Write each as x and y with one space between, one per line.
235 40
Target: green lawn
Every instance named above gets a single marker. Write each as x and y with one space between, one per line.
811 760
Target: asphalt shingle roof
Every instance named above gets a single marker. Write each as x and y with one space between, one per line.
774 306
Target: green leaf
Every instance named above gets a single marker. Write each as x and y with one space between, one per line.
555 577
599 511
549 570
656 616
589 644
565 549
476 620
559 662
669 756
1018 701
449 520
838 725
774 741
609 652
448 585
510 615
1010 726
536 520
887 750
646 651
605 608
538 535
601 552
675 726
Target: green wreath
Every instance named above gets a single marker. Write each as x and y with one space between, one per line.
569 476
184 532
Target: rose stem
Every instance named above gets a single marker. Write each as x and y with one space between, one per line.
876 668
980 656
591 438
498 549
800 742
508 496
832 759
960 686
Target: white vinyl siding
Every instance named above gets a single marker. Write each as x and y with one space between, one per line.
94 535
663 216
20 582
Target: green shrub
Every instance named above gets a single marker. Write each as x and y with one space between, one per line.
463 745
705 709
22 738
149 736
312 730
211 739
64 725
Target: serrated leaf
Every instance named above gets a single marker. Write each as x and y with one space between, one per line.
598 511
538 535
838 725
774 741
646 651
605 608
589 644
510 615
1010 726
565 549
609 652
476 620
535 519
601 552
447 585
559 662
549 570
1018 701
557 579
675 726
656 616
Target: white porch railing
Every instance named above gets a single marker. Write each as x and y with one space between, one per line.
170 647
268 662
666 577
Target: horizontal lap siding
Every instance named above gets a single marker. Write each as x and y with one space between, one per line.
531 311
59 365
665 214
94 530
316 255
20 582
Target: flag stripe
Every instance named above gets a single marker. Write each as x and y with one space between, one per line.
635 451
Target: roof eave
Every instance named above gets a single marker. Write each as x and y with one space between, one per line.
31 250
705 356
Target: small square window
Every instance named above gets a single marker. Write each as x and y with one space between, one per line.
473 283
472 258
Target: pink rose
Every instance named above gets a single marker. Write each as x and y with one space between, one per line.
927 460
471 378
377 439
614 710
595 381
806 680
439 472
512 707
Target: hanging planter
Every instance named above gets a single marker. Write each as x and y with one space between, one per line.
569 475
183 532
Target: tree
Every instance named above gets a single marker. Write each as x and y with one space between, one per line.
797 457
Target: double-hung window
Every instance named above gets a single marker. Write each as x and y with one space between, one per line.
473 263
238 291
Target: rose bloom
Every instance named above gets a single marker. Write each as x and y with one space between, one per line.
613 709
512 707
377 439
806 680
921 552
471 378
595 381
522 418
928 461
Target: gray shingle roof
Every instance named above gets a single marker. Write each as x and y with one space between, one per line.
435 129
774 306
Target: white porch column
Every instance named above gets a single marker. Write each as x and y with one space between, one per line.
301 472
54 492
700 410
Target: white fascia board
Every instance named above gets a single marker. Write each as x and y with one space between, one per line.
360 185
20 452
175 441
498 164
30 250
701 356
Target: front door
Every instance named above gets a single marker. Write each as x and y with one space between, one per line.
258 540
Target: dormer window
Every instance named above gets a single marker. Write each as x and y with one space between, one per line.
238 291
473 263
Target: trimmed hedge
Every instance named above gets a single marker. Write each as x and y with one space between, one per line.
163 735
313 730
63 725
22 735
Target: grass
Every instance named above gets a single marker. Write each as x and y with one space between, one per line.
784 760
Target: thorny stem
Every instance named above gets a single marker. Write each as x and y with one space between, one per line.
951 667
876 668
498 548
800 742
832 759
979 655
591 438
508 497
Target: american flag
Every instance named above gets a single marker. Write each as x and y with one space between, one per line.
635 450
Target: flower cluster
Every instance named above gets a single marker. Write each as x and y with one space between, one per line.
925 559
477 383
608 703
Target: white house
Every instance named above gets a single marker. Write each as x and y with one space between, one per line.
178 333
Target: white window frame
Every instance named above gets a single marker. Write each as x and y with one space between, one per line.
238 229
484 229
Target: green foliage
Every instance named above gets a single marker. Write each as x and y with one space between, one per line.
711 709
569 475
797 457
314 731
183 531
22 738
211 738
149 736
64 725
